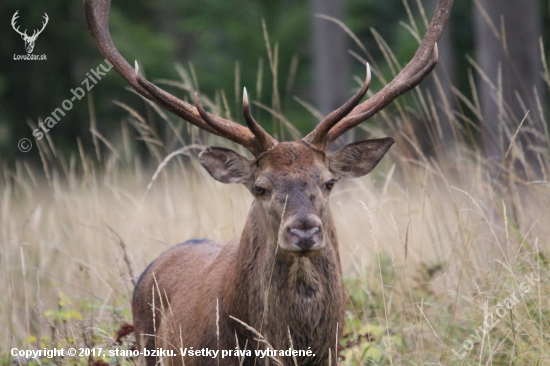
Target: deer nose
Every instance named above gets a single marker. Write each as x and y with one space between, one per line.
304 239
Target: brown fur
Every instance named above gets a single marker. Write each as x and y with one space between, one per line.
252 278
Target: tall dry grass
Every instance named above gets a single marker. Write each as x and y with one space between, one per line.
430 244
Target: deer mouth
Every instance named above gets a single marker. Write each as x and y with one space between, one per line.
304 253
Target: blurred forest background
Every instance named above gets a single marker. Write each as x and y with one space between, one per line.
498 46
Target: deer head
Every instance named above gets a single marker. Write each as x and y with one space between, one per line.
291 181
29 40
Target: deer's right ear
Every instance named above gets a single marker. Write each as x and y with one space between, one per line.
225 165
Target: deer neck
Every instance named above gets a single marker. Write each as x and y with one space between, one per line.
271 290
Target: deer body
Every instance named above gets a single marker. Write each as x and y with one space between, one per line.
305 294
282 279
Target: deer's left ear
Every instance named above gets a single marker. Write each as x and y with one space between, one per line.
359 158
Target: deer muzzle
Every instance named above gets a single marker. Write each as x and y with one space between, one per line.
302 236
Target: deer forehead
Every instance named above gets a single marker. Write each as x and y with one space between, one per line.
295 158
292 165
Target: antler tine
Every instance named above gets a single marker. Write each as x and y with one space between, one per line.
317 136
381 99
216 125
265 139
97 19
14 24
358 118
415 71
44 23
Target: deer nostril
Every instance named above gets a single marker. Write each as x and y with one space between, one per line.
313 231
304 238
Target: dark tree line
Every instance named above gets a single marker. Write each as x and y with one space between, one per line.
508 50
225 42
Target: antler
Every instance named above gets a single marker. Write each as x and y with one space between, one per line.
97 19
13 24
36 33
417 69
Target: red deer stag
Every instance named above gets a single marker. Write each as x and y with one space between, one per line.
282 278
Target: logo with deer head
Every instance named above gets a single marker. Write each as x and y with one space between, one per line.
29 40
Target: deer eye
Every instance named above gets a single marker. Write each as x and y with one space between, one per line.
330 184
259 191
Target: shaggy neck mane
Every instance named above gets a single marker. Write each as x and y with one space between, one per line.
303 295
